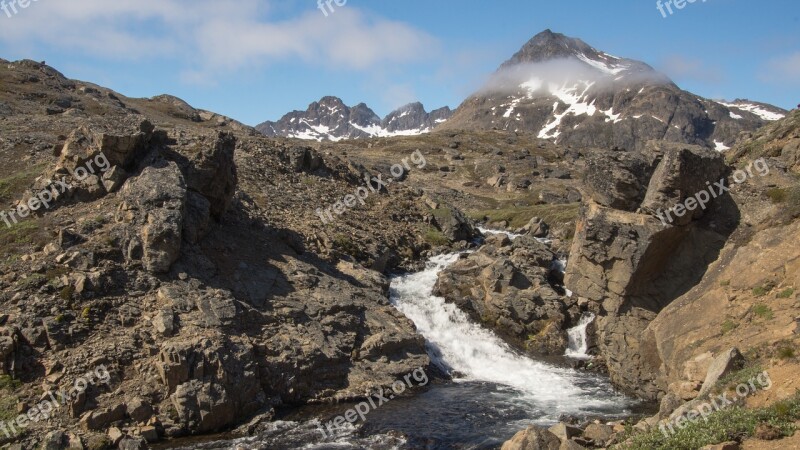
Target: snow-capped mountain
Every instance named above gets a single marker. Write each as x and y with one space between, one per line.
562 89
330 119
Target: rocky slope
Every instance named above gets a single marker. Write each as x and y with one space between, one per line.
562 89
331 120
193 267
696 310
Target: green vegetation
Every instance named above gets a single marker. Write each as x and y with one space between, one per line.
728 326
32 281
778 195
763 311
8 399
518 217
14 185
786 293
760 291
18 233
786 352
67 292
345 244
724 425
724 283
435 237
742 376
15 239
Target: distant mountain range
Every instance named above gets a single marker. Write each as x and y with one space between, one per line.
560 89
330 119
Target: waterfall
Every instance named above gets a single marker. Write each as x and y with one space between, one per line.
578 342
470 352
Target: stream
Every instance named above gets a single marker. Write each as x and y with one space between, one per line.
494 393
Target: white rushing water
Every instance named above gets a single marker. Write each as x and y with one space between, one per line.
510 235
473 353
578 342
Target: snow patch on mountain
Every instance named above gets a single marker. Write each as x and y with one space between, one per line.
759 110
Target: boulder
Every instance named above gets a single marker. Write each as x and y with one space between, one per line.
724 364
139 410
617 179
102 418
565 432
683 172
598 433
153 204
505 285
213 382
455 225
133 443
533 438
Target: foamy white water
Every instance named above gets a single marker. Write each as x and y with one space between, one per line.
510 235
578 342
474 353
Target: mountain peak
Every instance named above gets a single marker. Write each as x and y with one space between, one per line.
547 46
331 119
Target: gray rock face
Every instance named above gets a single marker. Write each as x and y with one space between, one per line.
505 286
617 179
211 382
154 203
331 119
601 101
631 263
682 174
211 172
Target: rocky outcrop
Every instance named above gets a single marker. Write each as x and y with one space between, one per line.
631 263
154 208
506 285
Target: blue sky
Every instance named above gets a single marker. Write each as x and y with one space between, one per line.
255 60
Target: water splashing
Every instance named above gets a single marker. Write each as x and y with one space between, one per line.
578 341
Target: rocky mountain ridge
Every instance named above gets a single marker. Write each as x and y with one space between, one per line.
331 120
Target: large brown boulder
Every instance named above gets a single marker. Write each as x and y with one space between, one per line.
533 438
684 172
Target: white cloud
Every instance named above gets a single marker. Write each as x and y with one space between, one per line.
210 36
783 70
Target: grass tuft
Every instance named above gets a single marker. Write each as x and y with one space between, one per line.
731 424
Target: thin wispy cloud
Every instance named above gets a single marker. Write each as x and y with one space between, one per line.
690 69
782 70
211 37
